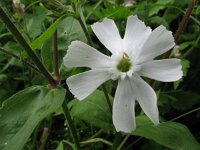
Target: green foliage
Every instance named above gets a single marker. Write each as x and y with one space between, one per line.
21 113
93 110
31 101
47 34
170 134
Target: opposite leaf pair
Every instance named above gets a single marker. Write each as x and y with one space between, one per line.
132 57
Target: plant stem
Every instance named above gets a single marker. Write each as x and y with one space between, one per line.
13 29
183 24
55 55
185 114
85 30
107 97
70 124
43 139
123 142
137 140
3 50
185 20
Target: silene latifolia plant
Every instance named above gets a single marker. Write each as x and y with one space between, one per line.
131 57
88 75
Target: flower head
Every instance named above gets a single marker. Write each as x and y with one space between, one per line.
132 57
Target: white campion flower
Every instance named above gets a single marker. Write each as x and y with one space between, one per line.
132 57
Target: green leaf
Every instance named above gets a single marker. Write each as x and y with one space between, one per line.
60 146
47 34
94 110
155 9
169 134
159 21
35 21
21 113
47 54
114 12
68 31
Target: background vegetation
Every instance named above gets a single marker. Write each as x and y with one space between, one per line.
32 114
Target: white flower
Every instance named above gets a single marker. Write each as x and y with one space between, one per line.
131 58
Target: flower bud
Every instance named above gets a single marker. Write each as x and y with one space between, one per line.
18 8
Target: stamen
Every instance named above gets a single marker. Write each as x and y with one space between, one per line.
124 64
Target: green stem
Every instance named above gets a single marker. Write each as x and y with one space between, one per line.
43 139
130 145
117 140
185 114
107 97
94 8
85 30
6 52
123 142
71 125
13 29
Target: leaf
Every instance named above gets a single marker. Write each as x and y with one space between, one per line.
169 134
21 113
60 146
94 110
68 31
47 54
114 12
155 9
34 22
47 34
159 21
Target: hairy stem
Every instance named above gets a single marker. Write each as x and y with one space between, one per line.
70 124
13 29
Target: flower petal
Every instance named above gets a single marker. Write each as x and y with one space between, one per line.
166 70
108 34
80 54
146 97
135 34
123 107
83 84
160 41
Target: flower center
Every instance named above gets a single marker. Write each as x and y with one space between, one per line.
124 64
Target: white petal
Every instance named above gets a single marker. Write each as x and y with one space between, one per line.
83 84
108 34
135 34
166 70
80 54
159 41
146 97
123 107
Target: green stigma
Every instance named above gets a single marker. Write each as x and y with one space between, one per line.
124 64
